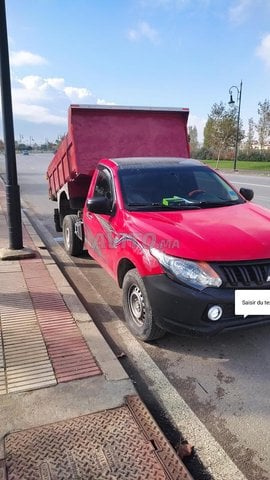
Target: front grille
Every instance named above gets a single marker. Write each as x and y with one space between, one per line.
245 274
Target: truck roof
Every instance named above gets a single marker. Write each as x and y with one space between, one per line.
146 162
125 107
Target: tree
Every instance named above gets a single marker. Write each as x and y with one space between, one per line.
263 126
250 135
193 140
220 130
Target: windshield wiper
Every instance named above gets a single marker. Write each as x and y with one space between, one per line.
174 206
180 206
226 203
138 204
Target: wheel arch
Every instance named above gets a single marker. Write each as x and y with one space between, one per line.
124 266
63 201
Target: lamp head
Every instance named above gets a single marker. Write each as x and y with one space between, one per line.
231 102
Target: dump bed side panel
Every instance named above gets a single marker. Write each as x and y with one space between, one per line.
95 133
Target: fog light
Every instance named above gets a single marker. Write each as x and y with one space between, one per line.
214 313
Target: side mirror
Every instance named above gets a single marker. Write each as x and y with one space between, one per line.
247 193
99 205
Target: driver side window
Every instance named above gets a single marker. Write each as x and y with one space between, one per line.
103 186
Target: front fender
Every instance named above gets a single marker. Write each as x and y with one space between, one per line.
139 255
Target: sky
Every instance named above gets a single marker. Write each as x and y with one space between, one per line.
159 53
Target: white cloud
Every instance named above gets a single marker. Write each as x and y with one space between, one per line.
27 96
143 31
45 100
101 101
30 89
57 83
39 100
263 50
22 58
31 82
79 93
241 9
37 114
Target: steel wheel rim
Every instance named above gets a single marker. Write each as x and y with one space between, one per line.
136 305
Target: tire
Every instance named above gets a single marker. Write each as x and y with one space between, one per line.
73 245
137 309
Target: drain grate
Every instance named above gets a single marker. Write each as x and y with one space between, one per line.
164 451
106 445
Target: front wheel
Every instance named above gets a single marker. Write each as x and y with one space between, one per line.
137 309
73 244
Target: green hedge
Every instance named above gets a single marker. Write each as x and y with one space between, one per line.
243 156
255 156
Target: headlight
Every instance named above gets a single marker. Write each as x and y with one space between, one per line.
196 274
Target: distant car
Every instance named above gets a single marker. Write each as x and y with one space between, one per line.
25 152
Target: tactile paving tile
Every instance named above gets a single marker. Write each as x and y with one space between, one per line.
27 364
2 370
2 381
68 350
106 445
29 360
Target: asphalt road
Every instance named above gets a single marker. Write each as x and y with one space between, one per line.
225 380
259 183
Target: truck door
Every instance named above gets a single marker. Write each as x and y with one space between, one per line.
99 230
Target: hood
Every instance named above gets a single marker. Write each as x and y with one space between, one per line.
232 233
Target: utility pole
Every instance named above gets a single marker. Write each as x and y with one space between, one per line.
12 187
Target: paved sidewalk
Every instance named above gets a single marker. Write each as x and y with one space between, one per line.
68 410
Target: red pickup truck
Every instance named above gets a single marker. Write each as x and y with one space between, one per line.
172 232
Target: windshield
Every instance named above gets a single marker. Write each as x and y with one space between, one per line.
175 187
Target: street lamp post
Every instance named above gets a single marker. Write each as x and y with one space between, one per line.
12 187
232 102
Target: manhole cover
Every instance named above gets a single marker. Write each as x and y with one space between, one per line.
105 445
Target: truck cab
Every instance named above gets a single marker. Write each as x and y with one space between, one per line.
178 239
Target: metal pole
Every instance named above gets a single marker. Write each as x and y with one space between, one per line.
238 127
12 187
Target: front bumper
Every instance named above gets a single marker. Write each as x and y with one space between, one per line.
178 308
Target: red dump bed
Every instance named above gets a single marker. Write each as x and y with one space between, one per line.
96 132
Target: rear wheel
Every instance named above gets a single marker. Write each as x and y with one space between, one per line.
73 244
137 309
